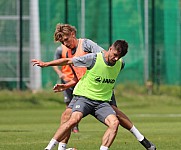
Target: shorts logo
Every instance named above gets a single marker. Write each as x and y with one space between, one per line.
100 80
77 106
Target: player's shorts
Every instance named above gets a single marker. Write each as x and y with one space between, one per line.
68 93
99 109
112 102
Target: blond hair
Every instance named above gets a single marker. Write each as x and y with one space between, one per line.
62 30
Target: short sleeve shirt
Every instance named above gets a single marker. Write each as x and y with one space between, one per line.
88 46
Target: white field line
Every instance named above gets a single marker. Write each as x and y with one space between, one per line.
157 115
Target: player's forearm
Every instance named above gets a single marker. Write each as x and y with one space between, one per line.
71 83
62 87
58 62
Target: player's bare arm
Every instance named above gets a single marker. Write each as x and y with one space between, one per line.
62 87
58 62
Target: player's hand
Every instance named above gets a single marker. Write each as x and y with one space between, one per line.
38 63
59 87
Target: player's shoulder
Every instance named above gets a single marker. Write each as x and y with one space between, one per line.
122 62
90 55
59 48
88 41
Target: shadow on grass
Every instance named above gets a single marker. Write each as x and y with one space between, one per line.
15 131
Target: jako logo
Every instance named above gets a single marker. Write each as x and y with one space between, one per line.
100 80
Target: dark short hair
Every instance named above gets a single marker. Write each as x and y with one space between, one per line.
122 46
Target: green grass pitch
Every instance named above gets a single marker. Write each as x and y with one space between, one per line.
29 122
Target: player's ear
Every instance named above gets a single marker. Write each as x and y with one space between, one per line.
73 34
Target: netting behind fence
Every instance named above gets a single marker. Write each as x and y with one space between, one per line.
127 21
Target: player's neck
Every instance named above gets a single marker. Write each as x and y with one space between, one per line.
76 42
105 55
